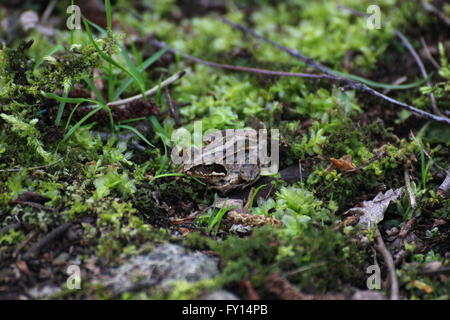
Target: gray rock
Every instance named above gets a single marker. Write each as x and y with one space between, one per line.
221 295
46 291
166 264
368 295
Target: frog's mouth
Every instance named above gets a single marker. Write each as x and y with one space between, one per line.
208 170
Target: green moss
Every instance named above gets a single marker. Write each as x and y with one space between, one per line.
321 252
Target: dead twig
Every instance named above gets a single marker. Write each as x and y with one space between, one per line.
413 202
441 270
147 93
411 196
432 9
172 110
285 290
381 247
160 44
444 188
14 225
34 205
352 84
428 54
419 63
31 168
251 292
368 163
50 237
433 163
396 82
22 244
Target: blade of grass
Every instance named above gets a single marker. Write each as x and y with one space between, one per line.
136 132
109 59
82 100
97 93
108 15
160 131
250 204
79 123
147 63
96 26
382 85
50 52
131 120
132 67
61 107
177 175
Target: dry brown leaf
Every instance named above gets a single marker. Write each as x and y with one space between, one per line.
345 163
22 265
184 231
372 212
422 286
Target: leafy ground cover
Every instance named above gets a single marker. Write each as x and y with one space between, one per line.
88 182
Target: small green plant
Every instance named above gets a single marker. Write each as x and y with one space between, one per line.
215 217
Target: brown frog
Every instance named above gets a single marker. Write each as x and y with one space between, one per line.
227 162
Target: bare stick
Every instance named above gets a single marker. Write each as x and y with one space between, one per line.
350 83
173 112
150 92
32 168
160 44
381 247
50 237
411 196
419 62
147 93
433 163
444 188
428 54
430 8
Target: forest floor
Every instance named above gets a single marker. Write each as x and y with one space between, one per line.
95 202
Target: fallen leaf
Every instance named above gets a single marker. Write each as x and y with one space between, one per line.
345 163
422 286
184 231
372 212
22 265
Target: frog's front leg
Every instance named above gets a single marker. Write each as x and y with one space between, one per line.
249 173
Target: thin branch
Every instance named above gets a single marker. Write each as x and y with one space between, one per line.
31 168
50 237
444 188
429 55
396 82
350 83
411 196
441 15
433 163
381 247
160 44
173 112
419 63
148 93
